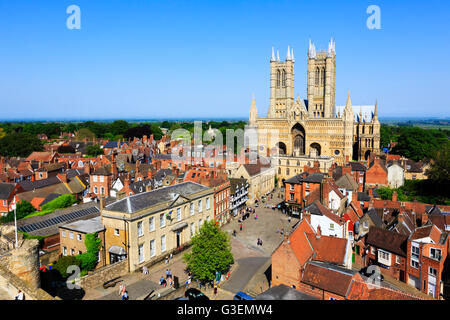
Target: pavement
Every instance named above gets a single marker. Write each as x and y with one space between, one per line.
248 256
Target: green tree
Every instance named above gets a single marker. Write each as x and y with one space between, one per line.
119 127
94 150
211 252
23 208
84 133
19 145
89 259
64 262
439 170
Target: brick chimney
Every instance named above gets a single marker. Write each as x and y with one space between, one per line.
126 182
355 197
318 232
394 196
102 202
424 218
87 167
307 216
347 169
62 177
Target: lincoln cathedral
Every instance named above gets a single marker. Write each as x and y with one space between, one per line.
314 129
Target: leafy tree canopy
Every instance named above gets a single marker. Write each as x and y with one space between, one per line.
19 145
94 150
211 252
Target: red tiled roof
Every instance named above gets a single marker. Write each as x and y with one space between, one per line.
40 156
330 249
362 291
327 279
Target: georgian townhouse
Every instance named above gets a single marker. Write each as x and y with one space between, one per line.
146 227
100 181
427 252
297 188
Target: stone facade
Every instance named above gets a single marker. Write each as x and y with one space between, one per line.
313 128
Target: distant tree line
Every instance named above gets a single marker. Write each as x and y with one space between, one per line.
415 143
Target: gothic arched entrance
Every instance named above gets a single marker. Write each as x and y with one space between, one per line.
367 155
281 148
298 135
315 149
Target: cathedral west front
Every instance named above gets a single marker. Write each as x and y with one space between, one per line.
314 129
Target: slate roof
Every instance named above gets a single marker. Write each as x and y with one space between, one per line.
6 189
113 144
356 166
375 217
236 183
144 200
283 292
346 181
317 208
31 185
362 196
140 186
305 177
387 240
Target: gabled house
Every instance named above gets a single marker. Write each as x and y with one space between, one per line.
427 251
330 224
387 249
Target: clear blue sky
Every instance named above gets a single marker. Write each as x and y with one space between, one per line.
197 59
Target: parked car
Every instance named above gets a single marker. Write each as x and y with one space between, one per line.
242 296
195 294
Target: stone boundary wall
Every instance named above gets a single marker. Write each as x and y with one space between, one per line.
98 277
12 284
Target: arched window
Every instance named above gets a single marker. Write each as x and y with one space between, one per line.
317 76
278 78
322 77
284 78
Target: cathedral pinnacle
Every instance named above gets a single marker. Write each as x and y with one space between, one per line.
292 55
278 56
273 56
288 55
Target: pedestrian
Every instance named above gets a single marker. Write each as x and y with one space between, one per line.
257 242
234 233
171 256
161 280
125 295
121 289
289 219
20 296
167 259
170 273
215 289
240 227
167 273
260 242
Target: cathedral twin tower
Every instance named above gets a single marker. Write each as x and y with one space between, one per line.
315 127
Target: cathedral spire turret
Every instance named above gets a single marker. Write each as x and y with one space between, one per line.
360 114
292 55
278 56
288 55
273 55
253 112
